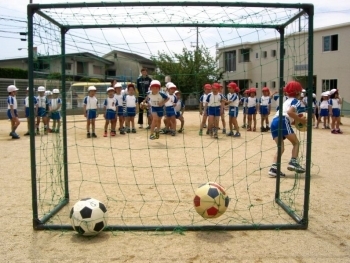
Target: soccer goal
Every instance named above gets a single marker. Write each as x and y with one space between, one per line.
150 184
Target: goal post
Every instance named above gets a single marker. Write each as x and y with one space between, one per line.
219 15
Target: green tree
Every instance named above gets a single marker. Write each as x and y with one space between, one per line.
189 70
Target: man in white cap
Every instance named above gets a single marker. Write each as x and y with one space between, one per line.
12 110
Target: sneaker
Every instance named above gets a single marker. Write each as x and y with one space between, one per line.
122 131
26 134
263 129
334 131
254 129
181 130
249 129
105 134
339 131
152 137
173 133
224 131
14 135
208 132
88 135
148 127
157 134
293 165
127 130
112 133
267 128
141 126
93 135
215 133
244 126
237 134
200 133
273 172
230 133
204 126
163 131
133 130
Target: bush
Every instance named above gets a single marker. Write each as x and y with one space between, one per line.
13 73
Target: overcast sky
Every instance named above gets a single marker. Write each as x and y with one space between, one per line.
144 41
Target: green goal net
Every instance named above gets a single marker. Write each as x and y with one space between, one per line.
150 184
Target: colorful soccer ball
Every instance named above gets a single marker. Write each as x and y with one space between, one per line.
210 200
300 127
88 216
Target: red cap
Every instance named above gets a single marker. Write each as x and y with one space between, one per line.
207 86
237 90
232 85
265 89
215 86
251 90
131 85
293 88
247 91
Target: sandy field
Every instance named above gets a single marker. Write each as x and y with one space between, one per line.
145 182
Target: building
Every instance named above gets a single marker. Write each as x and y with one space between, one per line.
256 64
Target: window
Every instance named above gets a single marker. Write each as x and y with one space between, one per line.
244 55
328 84
273 53
330 43
256 55
97 70
68 66
80 67
263 84
264 54
110 73
256 85
230 61
273 84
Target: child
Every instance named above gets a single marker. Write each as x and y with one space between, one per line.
110 106
215 104
26 110
252 108
222 116
55 106
276 97
325 108
243 102
12 110
170 110
335 103
157 100
90 111
42 109
233 101
132 108
202 104
265 109
289 114
48 95
180 109
120 110
314 105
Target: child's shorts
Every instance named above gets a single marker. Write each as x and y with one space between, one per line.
178 114
9 114
55 115
336 112
120 111
130 111
158 110
324 113
42 112
233 111
251 110
286 127
110 114
91 114
264 110
170 111
245 110
214 111
27 112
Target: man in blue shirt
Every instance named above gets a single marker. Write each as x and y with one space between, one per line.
143 83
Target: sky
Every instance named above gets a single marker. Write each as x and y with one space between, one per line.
143 41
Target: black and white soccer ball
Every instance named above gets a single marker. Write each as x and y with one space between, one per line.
88 216
211 200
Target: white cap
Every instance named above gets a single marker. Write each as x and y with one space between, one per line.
48 93
303 90
176 92
11 88
110 88
168 84
313 95
91 88
155 83
117 85
171 85
41 89
55 91
332 91
326 93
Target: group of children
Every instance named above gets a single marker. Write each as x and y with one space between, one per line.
47 107
125 105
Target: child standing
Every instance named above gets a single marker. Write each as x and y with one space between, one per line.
215 104
325 108
120 110
180 109
289 114
314 105
265 109
42 109
276 97
90 111
202 104
132 108
48 95
26 110
12 110
335 103
233 101
55 107
222 113
170 110
243 102
252 106
157 100
110 106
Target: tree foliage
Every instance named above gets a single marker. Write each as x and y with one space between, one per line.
189 70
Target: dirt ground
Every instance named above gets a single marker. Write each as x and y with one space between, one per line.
152 182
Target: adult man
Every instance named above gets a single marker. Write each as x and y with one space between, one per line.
143 83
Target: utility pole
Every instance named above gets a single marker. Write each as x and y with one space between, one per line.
197 37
